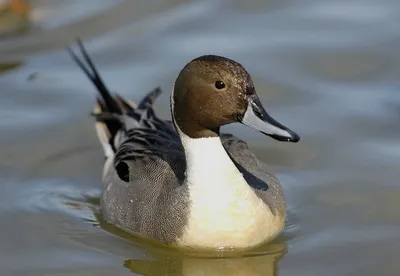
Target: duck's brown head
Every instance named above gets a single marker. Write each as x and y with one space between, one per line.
212 91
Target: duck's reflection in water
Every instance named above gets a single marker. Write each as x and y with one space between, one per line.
252 264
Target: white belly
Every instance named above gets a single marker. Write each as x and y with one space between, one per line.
229 216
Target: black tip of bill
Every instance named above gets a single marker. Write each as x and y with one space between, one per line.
294 138
257 118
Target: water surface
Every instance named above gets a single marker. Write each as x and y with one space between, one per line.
327 69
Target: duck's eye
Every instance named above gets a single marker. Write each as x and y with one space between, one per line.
219 84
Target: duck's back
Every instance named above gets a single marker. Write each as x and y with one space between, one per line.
143 191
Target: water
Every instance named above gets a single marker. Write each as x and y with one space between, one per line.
327 69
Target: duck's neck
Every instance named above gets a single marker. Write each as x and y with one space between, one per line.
207 162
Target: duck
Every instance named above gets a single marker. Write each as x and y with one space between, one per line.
181 182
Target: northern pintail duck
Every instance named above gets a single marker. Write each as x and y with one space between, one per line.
182 182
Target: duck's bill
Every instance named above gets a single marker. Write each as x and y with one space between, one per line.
257 118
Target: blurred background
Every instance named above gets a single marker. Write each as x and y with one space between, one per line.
328 69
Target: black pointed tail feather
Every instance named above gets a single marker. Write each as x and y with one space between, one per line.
108 102
112 108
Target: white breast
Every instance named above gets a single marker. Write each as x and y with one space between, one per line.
224 210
